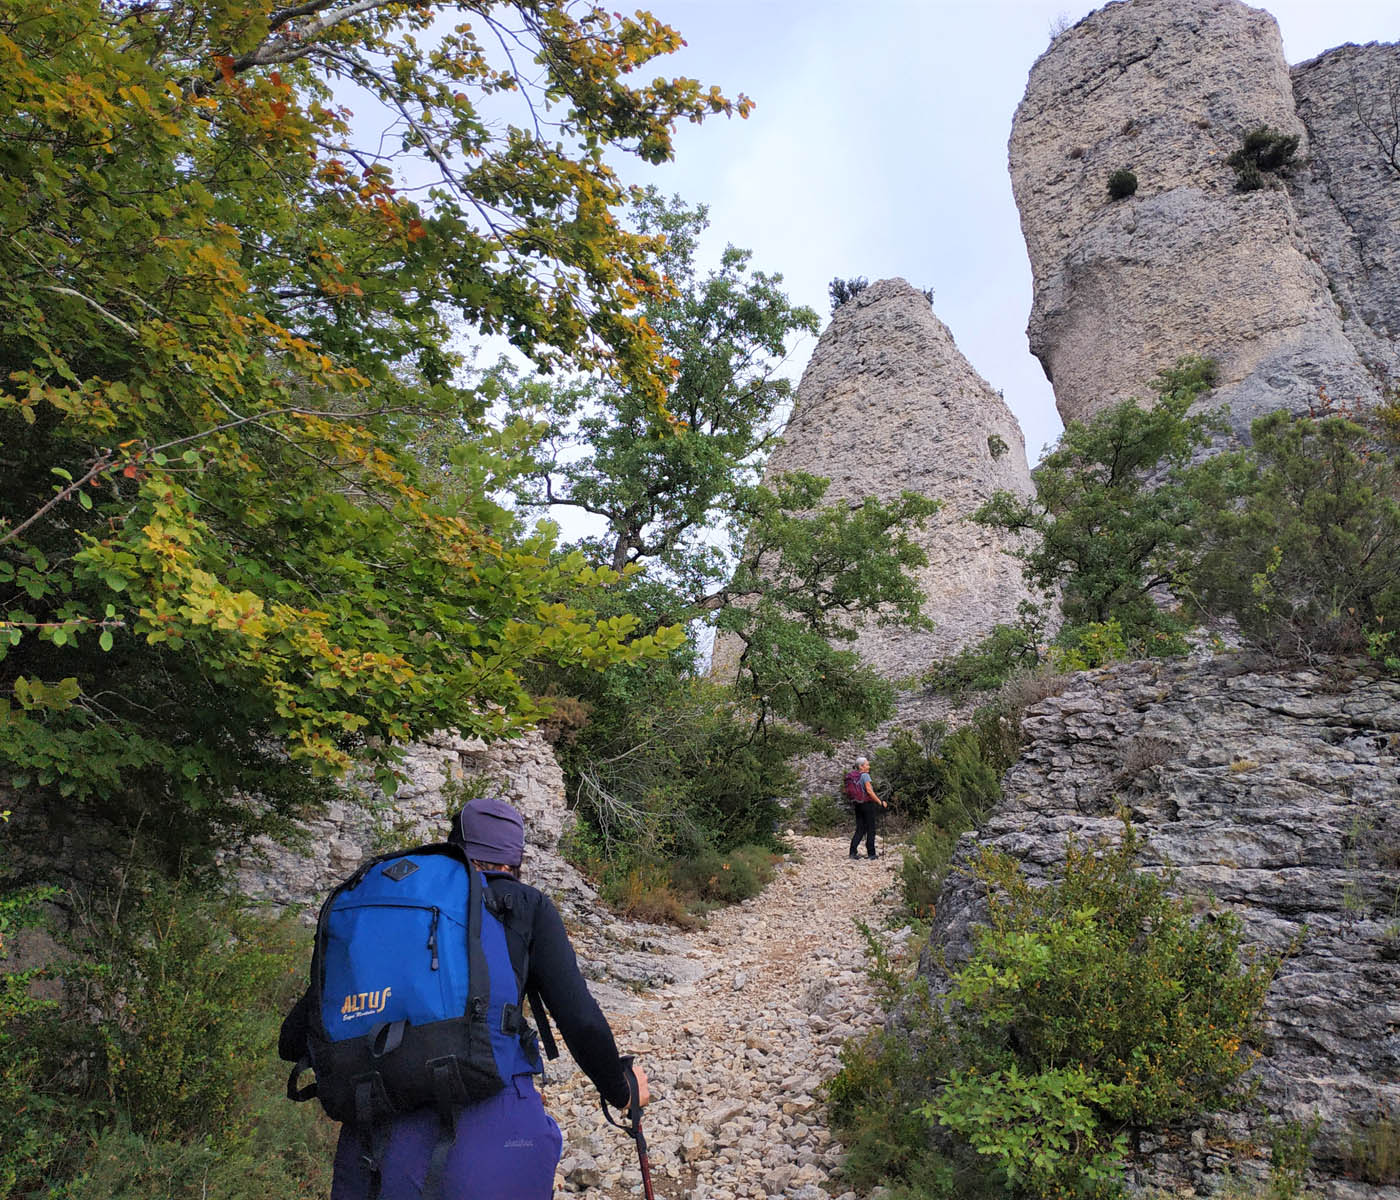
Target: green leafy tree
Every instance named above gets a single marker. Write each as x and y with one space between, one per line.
1113 510
1300 536
660 491
225 335
667 761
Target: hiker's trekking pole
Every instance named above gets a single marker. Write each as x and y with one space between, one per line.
633 1128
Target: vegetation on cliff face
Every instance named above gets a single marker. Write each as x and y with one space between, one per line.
1091 1008
1141 539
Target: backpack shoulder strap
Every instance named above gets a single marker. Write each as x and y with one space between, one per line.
514 903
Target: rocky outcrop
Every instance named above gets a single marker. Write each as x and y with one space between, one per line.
1187 265
364 821
619 957
888 403
1276 792
1348 196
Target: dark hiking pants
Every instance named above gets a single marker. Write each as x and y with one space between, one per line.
506 1149
865 828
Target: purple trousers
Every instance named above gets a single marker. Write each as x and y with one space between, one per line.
507 1148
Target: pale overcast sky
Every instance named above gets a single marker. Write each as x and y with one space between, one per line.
878 147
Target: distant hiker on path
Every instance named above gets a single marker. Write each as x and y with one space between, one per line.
861 793
502 1146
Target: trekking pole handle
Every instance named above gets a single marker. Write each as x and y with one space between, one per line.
633 1110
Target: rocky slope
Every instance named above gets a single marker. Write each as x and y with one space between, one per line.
1276 792
1187 265
889 403
737 1055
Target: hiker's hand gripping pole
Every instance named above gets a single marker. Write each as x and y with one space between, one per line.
639 1095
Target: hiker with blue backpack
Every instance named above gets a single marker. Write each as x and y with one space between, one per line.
414 1022
861 793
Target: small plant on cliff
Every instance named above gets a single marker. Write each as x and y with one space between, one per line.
1122 184
842 290
1264 153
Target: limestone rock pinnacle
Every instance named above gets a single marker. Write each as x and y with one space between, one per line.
888 403
1187 265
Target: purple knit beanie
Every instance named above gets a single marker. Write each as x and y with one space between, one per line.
490 831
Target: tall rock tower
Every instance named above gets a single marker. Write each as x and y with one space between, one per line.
1187 265
889 403
1348 196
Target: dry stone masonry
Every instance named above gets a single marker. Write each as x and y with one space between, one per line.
1275 791
887 404
1271 283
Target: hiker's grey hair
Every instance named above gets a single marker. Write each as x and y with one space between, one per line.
862 761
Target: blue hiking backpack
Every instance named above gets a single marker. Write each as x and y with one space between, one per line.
413 1000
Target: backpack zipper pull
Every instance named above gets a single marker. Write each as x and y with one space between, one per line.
432 939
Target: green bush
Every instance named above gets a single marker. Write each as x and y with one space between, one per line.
988 663
827 811
908 771
724 878
1114 511
181 996
1041 1134
277 1149
1122 184
1093 644
154 1077
31 1134
1091 1006
1264 152
875 1104
925 867
958 777
675 891
1104 969
1299 537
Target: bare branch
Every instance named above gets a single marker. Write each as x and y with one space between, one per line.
299 42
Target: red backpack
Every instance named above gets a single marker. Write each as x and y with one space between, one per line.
855 792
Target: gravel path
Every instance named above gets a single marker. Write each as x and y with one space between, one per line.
736 1053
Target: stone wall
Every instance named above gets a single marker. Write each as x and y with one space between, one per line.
1273 790
1187 265
889 403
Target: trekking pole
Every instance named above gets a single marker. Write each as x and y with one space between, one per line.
633 1128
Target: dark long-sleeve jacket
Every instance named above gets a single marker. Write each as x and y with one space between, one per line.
544 963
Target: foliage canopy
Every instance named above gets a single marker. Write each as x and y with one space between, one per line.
225 331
